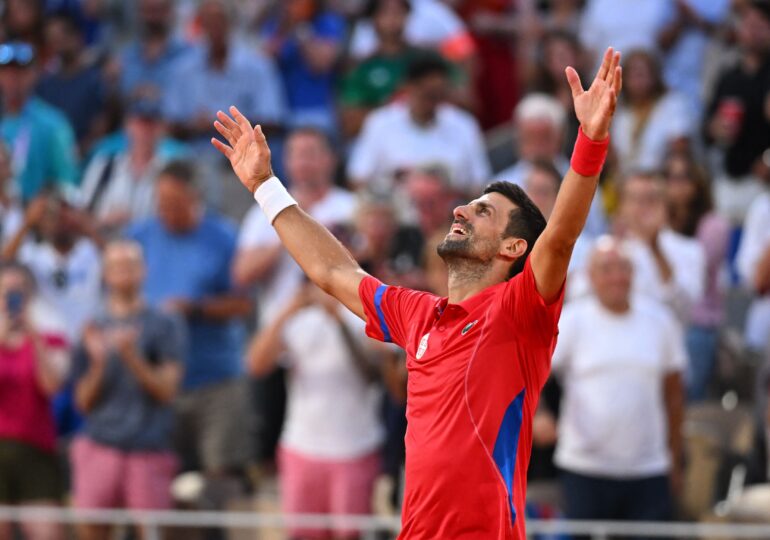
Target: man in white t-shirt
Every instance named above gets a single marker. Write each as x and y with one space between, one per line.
329 451
422 130
668 266
261 259
753 261
620 359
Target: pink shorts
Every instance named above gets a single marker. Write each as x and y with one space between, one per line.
104 477
315 486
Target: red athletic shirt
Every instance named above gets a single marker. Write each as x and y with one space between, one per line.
475 373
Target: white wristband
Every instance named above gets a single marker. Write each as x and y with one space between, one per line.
273 198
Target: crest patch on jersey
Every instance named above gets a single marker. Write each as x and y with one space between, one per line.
423 346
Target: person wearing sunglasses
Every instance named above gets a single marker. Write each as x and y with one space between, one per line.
40 138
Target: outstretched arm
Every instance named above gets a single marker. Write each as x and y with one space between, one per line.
594 108
323 258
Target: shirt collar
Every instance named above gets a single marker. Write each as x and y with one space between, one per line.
467 305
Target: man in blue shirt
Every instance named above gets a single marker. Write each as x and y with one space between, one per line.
147 61
188 252
221 70
42 143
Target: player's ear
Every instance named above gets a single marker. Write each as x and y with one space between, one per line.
513 248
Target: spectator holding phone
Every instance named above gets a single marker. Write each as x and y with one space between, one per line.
32 368
128 369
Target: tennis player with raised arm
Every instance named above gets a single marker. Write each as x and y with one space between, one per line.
478 359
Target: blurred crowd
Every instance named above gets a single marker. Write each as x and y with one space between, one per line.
160 349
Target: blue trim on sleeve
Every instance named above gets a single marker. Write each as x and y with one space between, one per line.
377 305
507 444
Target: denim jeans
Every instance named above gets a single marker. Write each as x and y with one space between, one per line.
702 350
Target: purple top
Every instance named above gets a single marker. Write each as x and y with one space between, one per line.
714 235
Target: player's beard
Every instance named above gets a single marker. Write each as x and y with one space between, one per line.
463 261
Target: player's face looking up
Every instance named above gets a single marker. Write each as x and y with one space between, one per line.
477 234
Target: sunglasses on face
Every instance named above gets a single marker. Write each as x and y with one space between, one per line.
15 53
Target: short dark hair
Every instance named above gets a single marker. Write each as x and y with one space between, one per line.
525 221
373 6
182 171
425 64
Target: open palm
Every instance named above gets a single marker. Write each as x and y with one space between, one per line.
594 107
247 148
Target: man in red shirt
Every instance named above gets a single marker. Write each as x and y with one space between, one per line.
478 359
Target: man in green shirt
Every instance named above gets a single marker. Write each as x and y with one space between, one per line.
374 82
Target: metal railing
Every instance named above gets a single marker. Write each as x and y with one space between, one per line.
152 522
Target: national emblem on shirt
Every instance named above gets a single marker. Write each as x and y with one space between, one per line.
423 346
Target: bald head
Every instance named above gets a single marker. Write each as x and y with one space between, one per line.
610 271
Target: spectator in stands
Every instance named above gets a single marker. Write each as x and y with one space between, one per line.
494 25
683 35
558 50
147 61
542 185
385 249
261 260
65 261
431 24
24 20
329 452
41 140
306 40
73 84
33 366
619 357
691 214
188 250
539 123
221 71
431 198
650 120
430 132
753 262
127 371
118 188
626 25
538 132
668 267
11 212
736 120
379 77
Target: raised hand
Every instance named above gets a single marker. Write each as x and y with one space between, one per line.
247 148
594 107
